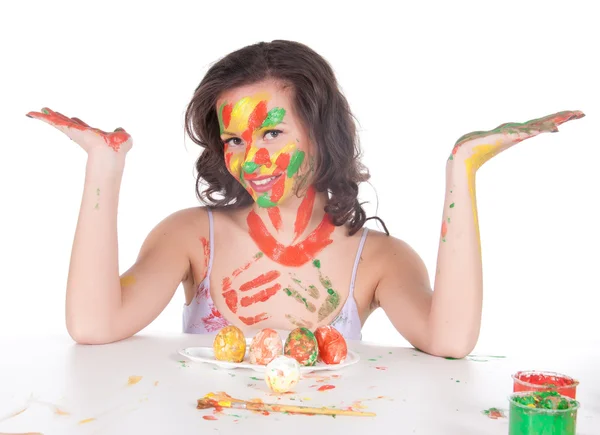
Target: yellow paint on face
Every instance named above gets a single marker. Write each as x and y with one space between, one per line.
481 154
242 110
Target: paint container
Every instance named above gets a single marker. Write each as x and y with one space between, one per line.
544 381
526 420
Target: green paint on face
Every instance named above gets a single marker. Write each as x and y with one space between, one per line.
295 162
220 116
452 205
250 167
265 202
317 264
274 117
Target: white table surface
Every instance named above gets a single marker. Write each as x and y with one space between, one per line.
60 386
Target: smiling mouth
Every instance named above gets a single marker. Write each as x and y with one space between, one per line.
263 184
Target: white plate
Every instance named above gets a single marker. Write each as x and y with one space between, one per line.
206 355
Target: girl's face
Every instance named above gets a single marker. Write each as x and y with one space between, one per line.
265 144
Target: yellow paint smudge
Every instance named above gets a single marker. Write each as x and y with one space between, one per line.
127 280
133 380
87 420
156 383
59 411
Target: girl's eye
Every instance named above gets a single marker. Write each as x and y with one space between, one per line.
272 134
234 141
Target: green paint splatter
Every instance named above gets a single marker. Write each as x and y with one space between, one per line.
452 205
274 117
295 162
372 359
451 157
264 201
220 116
254 378
183 364
259 255
317 264
390 353
448 220
250 167
298 297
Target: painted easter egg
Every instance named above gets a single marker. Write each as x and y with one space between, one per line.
332 345
230 344
265 346
302 345
282 374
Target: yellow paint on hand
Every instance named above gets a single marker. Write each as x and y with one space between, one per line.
134 380
87 420
127 280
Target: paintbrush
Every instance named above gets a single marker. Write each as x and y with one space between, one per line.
224 400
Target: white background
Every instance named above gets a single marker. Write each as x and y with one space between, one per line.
417 74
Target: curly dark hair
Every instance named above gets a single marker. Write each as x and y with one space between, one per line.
317 99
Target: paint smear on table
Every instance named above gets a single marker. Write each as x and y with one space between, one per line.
156 383
22 433
183 364
326 387
209 417
134 380
87 420
494 413
381 367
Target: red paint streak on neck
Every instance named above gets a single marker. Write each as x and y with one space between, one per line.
254 320
326 387
261 296
304 213
275 216
294 255
260 280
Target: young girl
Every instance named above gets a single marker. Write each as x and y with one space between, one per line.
282 241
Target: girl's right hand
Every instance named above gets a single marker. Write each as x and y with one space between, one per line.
89 138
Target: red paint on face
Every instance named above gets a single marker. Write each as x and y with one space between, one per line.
228 159
262 157
304 213
283 161
254 320
261 296
294 255
326 387
275 216
226 114
260 280
278 189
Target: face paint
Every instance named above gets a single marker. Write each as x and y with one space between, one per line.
268 176
293 255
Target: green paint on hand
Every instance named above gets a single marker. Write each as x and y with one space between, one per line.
274 117
452 205
295 162
264 201
250 167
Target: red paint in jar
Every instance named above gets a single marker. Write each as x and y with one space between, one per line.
545 381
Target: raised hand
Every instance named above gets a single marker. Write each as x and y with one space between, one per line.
87 137
478 147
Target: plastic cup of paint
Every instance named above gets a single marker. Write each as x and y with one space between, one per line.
526 420
533 380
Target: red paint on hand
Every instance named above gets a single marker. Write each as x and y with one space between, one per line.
261 296
254 320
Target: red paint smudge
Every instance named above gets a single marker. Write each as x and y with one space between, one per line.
209 417
304 213
231 299
381 368
266 413
261 296
444 228
294 255
275 216
262 157
226 114
228 159
260 280
283 161
277 189
253 320
258 116
326 387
